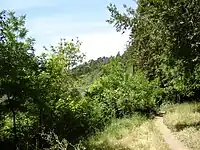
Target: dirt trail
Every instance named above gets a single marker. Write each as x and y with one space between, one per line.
173 143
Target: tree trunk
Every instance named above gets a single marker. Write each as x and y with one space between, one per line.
14 123
41 119
40 142
14 129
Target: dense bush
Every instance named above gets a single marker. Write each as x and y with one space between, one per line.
123 95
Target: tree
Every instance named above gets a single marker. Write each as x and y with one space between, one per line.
164 42
17 63
71 51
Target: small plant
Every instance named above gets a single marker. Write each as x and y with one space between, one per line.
56 144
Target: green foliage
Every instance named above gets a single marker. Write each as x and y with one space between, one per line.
123 96
17 65
91 66
58 93
88 72
164 43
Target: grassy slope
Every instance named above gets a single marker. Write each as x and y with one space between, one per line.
184 121
136 133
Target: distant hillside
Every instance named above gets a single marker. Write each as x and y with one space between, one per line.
91 66
89 71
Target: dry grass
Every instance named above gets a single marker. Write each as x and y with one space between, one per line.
136 133
184 120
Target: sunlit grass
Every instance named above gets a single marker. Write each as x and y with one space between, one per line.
184 120
135 133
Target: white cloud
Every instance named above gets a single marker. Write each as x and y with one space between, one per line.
98 38
103 44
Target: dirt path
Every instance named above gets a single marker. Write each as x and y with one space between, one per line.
173 143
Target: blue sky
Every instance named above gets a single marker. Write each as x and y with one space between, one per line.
50 20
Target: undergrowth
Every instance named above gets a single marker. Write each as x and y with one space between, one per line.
135 133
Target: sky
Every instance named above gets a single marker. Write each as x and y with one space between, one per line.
50 20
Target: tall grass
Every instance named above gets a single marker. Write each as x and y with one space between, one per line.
184 120
135 133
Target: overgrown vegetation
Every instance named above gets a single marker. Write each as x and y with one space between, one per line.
164 43
135 133
51 98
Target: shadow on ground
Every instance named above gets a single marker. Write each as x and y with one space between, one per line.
107 146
